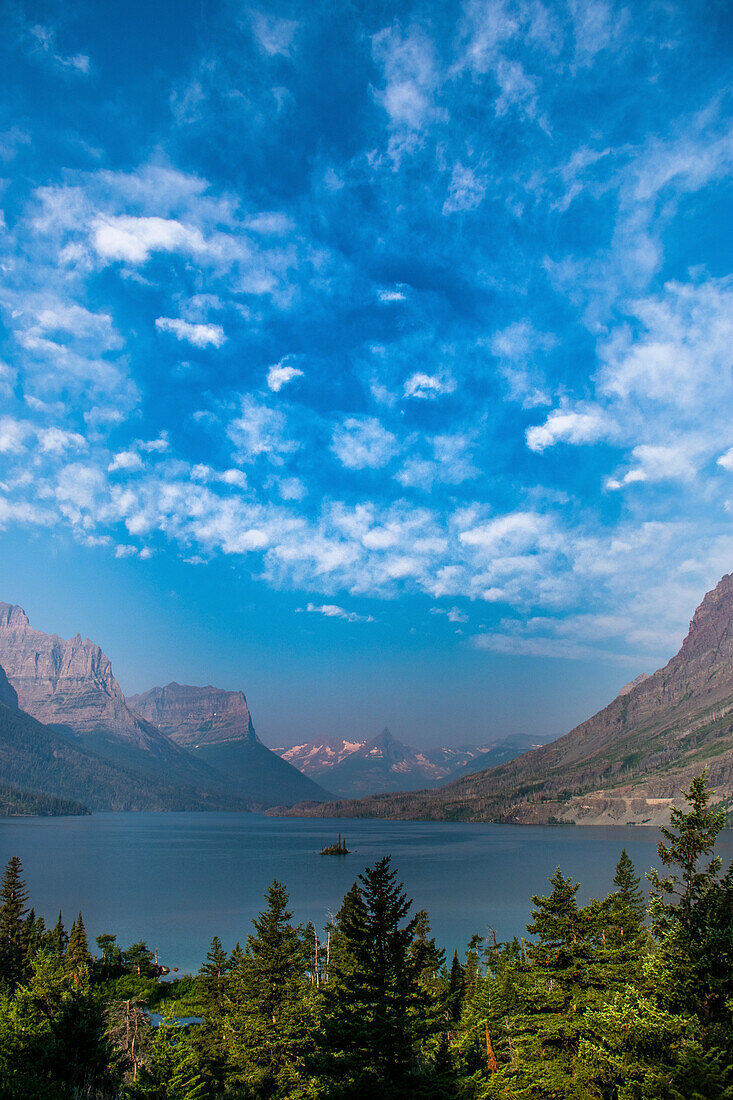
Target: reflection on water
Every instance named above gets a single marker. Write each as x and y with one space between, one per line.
175 880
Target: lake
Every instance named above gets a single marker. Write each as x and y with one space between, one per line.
177 879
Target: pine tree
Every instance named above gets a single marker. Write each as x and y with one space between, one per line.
13 898
456 987
77 953
267 1018
375 1007
212 975
210 1037
171 1071
58 939
689 839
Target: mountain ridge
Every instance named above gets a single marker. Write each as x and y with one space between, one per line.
625 764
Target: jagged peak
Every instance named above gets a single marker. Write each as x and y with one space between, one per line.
12 614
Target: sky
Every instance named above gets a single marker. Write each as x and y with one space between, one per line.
375 359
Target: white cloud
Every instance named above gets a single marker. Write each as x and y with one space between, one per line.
411 83
281 373
428 386
363 443
134 239
333 611
201 336
125 461
576 426
396 295
726 460
260 430
657 463
274 35
44 42
453 614
13 435
465 191
8 379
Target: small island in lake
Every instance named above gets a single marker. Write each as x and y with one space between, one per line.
339 849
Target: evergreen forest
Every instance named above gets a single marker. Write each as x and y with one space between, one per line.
615 1000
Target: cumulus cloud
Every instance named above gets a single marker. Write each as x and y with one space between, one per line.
134 239
274 36
201 336
453 614
279 374
657 463
363 443
576 426
428 386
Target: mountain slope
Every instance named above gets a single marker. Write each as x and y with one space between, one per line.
625 764
216 728
69 684
39 759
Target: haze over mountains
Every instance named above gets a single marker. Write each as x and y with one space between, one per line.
67 732
626 764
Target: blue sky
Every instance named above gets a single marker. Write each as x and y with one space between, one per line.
375 359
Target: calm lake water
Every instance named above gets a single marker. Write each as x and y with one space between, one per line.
175 880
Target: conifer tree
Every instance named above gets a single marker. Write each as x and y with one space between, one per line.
171 1071
268 1013
209 1038
375 1008
689 839
58 939
77 952
456 986
13 898
212 975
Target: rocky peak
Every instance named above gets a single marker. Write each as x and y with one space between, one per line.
627 688
64 682
193 716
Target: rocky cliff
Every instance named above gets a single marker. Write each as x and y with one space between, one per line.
216 727
625 764
68 684
193 716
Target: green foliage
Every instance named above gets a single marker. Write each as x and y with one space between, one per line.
376 1007
171 1070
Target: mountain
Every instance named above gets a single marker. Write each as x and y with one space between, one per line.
385 764
508 748
626 764
378 767
317 758
215 726
69 685
42 760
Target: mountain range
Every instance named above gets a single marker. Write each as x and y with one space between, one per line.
66 730
626 764
352 768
